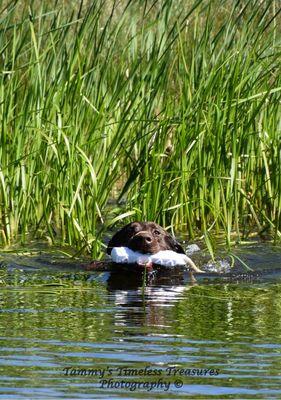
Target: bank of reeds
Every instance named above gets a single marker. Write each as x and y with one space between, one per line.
170 107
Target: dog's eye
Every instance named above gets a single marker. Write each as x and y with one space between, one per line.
156 232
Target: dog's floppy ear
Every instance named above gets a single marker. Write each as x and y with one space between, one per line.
174 244
120 239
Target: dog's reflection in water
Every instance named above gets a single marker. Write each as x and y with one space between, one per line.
127 278
143 300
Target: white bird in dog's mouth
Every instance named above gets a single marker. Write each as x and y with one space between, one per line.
166 258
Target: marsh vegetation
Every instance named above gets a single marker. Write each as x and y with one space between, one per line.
155 110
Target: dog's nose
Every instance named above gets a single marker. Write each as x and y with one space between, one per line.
147 239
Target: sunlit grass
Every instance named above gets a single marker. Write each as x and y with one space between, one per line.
171 107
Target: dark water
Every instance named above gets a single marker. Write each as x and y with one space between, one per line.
79 335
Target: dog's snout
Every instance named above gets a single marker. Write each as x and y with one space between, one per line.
142 241
143 237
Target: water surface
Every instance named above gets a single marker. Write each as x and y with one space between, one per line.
71 334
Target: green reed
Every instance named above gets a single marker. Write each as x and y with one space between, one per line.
170 107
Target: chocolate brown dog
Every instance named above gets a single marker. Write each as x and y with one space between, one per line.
144 237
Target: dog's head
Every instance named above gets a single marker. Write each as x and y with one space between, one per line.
144 237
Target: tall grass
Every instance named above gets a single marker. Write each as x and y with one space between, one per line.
170 107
